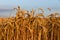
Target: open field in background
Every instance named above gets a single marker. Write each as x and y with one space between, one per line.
27 26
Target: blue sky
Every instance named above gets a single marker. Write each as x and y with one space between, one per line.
28 4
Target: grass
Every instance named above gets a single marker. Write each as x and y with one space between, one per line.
30 27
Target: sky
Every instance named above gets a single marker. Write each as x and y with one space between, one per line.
28 4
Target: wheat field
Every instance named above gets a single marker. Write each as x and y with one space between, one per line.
30 27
